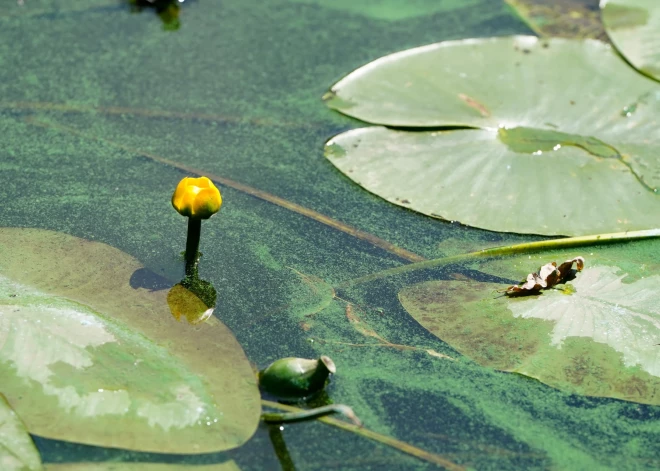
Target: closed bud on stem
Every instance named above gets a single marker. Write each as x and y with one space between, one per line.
296 378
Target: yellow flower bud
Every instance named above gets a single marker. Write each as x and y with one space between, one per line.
196 198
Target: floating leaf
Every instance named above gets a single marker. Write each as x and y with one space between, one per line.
17 451
562 18
84 357
137 466
566 135
598 336
392 10
634 28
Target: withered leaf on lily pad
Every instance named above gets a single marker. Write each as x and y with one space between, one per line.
534 112
598 336
85 357
547 277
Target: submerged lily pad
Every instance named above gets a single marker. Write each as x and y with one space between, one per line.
17 451
392 10
137 466
563 18
565 139
596 335
86 358
634 28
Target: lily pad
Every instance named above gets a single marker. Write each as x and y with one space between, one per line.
596 335
87 358
17 451
634 28
562 18
393 10
137 466
564 139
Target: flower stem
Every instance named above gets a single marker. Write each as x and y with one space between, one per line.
281 451
529 247
192 245
366 433
300 415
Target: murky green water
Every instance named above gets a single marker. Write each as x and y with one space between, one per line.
101 113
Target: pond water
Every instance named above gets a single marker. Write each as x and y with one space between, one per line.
104 110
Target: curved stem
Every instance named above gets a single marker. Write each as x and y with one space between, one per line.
385 440
307 414
528 247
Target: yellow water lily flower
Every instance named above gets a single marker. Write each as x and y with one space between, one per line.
196 198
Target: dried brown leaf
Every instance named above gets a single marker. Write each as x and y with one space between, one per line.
547 277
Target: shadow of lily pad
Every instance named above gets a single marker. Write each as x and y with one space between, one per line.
562 137
597 335
634 28
85 357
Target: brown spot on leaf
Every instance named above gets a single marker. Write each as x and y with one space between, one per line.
472 103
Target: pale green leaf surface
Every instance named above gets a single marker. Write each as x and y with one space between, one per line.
17 451
518 81
634 28
472 177
87 358
587 161
596 335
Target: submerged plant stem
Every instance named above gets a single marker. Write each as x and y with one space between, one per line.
307 414
322 218
281 451
143 113
528 247
366 433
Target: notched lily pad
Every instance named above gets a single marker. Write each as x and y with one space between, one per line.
87 358
598 336
17 451
561 131
634 28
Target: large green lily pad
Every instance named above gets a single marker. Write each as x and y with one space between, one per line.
87 358
565 139
596 335
634 28
17 451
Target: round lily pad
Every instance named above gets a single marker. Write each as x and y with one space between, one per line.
562 136
87 358
634 28
597 334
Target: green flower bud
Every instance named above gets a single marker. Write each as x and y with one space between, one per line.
296 378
